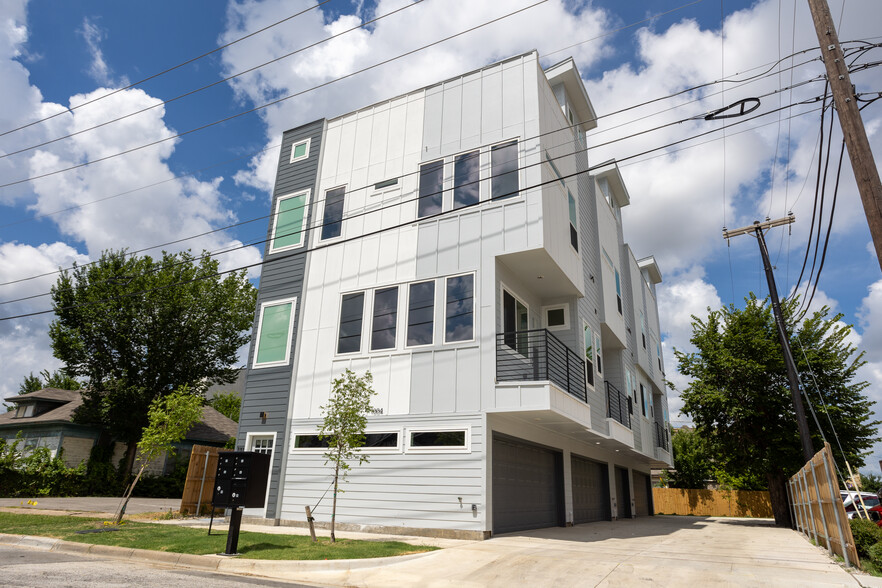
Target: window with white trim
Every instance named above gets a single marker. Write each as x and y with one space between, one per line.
300 150
588 344
421 314
438 441
351 317
274 328
431 189
262 444
289 221
557 317
504 182
466 179
373 441
515 322
385 318
459 310
597 352
332 220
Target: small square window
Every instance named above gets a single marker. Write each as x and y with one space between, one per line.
556 317
299 151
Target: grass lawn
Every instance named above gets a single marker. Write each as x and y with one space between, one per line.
177 539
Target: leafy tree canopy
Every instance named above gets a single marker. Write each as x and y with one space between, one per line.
228 404
693 465
137 328
57 379
740 401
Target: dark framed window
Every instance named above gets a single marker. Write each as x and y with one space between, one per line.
466 176
421 314
515 315
332 221
459 314
385 321
351 316
643 398
431 188
618 292
376 440
438 439
504 170
588 343
574 235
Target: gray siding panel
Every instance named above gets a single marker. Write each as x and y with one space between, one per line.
269 389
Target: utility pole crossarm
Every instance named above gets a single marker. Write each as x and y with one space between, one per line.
865 172
727 234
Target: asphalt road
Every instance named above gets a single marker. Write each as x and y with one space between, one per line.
46 569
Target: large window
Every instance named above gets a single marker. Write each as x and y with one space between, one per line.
289 220
351 313
385 318
274 333
466 176
574 234
421 314
431 188
332 222
459 314
504 170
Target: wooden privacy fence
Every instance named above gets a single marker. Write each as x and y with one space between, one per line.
200 478
817 507
712 503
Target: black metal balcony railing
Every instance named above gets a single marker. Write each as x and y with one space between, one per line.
661 436
618 405
538 355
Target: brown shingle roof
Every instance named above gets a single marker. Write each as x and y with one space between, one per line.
56 394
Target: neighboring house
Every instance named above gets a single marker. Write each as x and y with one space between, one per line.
238 387
452 242
45 419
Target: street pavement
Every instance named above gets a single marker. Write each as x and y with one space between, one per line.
648 551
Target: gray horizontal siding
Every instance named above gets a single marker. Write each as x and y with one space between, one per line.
269 389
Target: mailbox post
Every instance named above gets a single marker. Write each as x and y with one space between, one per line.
240 482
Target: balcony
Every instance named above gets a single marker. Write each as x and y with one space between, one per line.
661 436
537 355
618 405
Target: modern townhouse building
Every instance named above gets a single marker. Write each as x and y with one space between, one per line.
454 242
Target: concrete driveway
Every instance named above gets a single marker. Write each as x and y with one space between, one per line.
651 551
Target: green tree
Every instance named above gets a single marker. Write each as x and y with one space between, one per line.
739 396
168 420
693 465
138 328
345 418
870 482
57 379
228 404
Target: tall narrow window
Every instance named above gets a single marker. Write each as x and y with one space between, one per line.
514 322
643 329
504 170
465 179
459 314
431 188
658 355
332 222
274 333
643 399
597 352
588 343
385 318
574 235
351 312
421 314
618 292
288 222
603 184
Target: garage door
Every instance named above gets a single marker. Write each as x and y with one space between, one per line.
527 486
590 490
641 494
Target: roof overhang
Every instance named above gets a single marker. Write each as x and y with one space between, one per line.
566 72
649 265
610 171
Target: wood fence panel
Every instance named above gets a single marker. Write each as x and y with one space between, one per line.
203 460
712 503
817 506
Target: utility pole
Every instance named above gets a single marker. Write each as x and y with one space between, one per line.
865 172
807 450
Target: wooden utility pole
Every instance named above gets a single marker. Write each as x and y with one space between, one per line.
802 424
865 172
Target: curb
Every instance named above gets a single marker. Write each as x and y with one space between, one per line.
212 563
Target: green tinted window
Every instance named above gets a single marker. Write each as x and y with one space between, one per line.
275 321
299 151
289 221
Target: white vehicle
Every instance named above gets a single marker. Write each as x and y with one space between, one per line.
851 500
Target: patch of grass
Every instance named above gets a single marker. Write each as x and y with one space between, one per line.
175 539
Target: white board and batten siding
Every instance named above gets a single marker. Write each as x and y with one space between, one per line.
399 488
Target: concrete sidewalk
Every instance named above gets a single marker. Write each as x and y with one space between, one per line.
649 551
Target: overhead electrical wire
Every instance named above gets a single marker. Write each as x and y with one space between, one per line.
276 101
165 71
320 246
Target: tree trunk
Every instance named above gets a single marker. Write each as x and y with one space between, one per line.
121 510
778 497
334 506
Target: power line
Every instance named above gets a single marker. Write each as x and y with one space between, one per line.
165 71
303 250
273 102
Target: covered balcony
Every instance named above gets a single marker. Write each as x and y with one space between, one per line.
537 355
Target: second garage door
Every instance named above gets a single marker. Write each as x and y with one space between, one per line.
527 486
642 490
590 490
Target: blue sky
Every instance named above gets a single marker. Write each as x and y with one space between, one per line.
57 55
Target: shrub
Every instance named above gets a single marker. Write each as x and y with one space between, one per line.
875 555
866 535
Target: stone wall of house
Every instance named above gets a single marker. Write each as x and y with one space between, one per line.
76 450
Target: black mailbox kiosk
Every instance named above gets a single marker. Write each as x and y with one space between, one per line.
240 482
